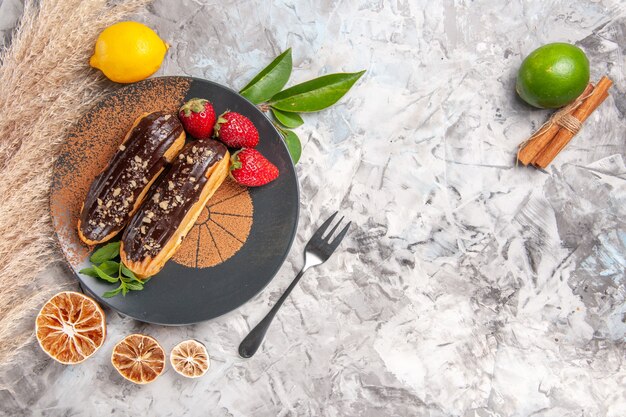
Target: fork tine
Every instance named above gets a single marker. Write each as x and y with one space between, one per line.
319 232
340 236
332 231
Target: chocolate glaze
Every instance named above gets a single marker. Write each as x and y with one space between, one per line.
171 198
112 194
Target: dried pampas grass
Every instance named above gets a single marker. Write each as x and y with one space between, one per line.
45 84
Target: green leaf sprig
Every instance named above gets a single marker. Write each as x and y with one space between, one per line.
285 106
106 268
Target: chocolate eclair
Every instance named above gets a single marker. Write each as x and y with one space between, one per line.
176 200
117 192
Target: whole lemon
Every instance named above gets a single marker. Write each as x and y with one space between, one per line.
553 75
128 51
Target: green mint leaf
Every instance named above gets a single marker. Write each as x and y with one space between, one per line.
290 120
129 273
110 267
89 272
135 286
112 293
293 144
315 95
106 253
104 276
124 289
269 81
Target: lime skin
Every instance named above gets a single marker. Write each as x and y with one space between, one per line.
553 75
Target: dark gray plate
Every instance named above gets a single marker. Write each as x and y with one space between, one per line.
179 294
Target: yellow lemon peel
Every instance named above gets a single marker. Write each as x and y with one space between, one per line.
127 52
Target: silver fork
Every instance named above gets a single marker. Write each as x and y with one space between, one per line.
317 251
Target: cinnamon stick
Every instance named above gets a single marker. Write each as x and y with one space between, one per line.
540 139
563 136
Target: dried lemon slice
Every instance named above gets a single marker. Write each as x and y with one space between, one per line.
70 327
190 358
139 358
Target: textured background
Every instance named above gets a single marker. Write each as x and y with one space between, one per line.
469 287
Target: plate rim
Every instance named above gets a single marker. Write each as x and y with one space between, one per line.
83 287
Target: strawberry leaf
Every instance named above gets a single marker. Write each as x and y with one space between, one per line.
316 94
106 253
235 163
269 81
290 120
293 144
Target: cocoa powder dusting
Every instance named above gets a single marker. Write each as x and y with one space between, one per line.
92 142
221 230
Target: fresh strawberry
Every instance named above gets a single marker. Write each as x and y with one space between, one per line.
249 167
198 118
236 130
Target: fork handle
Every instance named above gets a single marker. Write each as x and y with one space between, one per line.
251 343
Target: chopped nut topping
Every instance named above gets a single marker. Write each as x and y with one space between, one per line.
189 160
194 149
146 220
179 199
99 201
117 192
150 214
133 183
167 117
122 148
155 197
144 180
143 230
196 187
181 156
164 205
138 159
109 203
101 225
170 185
192 179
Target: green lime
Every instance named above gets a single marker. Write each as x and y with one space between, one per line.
553 75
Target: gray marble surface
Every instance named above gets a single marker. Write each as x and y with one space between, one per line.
469 286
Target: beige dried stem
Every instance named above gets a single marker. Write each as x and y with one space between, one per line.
45 85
